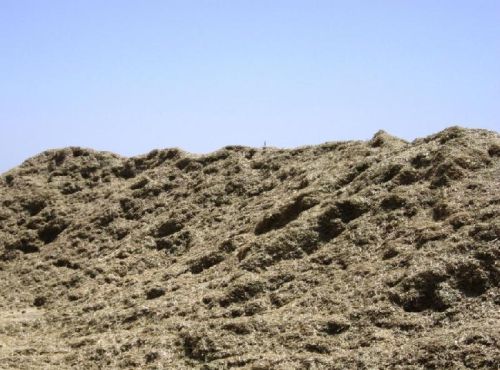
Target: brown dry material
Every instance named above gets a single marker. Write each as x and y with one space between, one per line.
346 255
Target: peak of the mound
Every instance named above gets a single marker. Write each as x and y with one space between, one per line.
76 156
379 253
382 138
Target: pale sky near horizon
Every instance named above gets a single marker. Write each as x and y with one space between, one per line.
131 76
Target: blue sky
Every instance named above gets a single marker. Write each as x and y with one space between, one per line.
130 76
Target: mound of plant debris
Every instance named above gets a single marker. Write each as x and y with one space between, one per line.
346 255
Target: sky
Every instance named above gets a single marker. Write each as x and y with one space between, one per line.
130 76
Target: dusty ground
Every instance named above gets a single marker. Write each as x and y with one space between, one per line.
362 255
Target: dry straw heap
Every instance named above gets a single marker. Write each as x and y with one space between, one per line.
377 254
